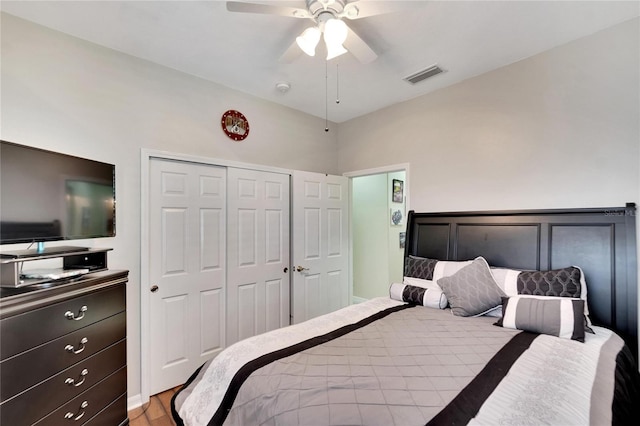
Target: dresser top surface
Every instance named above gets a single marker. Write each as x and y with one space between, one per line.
12 298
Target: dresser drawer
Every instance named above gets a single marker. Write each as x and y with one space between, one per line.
86 405
114 415
24 331
30 368
53 392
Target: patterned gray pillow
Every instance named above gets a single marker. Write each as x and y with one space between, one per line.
472 290
563 282
419 267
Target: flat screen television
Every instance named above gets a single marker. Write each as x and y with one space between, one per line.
49 196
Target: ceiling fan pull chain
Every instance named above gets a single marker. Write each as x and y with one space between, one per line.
337 84
326 99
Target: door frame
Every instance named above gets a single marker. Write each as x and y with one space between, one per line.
401 167
146 155
324 263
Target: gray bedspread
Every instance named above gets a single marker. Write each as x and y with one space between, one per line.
403 369
399 370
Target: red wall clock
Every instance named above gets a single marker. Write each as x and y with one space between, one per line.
235 125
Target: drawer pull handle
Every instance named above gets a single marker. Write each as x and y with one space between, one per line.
71 415
83 376
83 343
71 316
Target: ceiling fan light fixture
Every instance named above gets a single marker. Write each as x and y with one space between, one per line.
308 40
335 51
335 33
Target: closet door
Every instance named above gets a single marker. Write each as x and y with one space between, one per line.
258 252
187 262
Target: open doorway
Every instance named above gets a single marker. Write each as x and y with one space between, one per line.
378 223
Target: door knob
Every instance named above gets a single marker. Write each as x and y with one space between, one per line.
154 288
285 270
301 268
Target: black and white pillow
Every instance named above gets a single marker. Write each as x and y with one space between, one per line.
431 269
556 316
419 267
431 297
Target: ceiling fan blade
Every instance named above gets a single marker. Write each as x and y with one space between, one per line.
363 9
292 12
359 48
292 53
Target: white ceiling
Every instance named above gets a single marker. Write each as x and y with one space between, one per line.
241 51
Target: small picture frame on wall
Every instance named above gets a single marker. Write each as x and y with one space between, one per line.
396 217
397 192
403 238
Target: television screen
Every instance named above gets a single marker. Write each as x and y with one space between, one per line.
48 196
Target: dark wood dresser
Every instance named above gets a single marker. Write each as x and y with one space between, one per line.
63 353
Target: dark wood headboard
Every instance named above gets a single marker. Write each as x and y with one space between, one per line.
601 241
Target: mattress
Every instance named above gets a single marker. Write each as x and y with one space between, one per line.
384 362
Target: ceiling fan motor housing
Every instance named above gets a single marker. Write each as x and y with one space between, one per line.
317 7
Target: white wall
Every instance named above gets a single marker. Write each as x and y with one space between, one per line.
67 95
395 253
557 130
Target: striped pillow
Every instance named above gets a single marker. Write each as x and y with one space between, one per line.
556 316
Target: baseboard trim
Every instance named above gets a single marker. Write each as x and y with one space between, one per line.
134 401
356 299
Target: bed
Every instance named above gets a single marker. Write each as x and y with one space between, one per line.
517 317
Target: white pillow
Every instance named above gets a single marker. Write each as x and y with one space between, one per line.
419 282
446 268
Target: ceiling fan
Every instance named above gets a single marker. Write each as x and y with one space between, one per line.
328 17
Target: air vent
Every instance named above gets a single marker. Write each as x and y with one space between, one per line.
424 74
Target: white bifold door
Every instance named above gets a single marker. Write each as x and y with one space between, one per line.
187 269
258 250
219 258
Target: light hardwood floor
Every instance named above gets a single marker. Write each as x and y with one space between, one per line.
156 413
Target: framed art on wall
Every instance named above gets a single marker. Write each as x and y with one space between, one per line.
396 217
397 194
